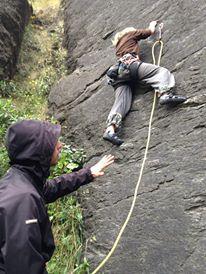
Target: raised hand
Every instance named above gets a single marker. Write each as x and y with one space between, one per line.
98 169
152 26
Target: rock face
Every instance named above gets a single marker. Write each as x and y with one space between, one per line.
13 17
167 231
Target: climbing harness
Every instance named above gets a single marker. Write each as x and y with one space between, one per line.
160 43
120 72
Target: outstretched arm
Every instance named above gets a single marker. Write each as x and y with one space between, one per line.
145 33
67 183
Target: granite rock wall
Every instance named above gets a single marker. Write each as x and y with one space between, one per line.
167 231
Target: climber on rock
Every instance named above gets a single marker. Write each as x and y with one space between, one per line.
130 72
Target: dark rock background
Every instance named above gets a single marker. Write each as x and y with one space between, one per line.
167 231
14 15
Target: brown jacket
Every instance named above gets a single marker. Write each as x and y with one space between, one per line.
129 42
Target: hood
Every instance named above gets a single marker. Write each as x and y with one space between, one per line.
30 145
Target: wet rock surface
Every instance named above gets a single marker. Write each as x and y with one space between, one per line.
14 15
167 231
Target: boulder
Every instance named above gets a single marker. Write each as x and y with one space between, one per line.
14 15
167 230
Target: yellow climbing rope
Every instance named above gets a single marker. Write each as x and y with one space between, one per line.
158 42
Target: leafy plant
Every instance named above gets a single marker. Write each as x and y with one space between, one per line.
8 115
7 88
67 222
4 160
71 159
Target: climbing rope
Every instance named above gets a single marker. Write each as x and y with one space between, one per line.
158 42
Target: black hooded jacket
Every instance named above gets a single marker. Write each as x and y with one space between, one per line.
26 240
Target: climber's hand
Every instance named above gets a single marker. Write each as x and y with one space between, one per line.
152 26
97 170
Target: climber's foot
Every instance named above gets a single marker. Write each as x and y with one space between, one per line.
171 99
112 138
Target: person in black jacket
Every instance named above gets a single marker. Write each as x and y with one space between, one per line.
26 240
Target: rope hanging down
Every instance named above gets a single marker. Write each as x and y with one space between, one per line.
158 42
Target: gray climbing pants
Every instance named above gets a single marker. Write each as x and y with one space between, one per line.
159 78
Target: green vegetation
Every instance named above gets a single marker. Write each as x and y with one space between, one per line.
66 217
8 115
40 65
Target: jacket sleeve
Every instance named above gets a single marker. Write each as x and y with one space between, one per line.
140 34
65 184
22 251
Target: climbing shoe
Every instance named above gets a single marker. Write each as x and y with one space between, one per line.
112 138
171 99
